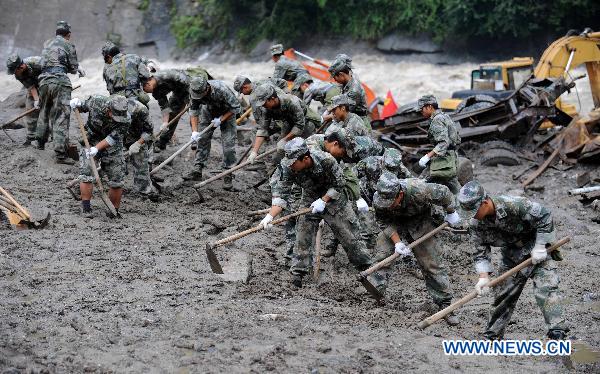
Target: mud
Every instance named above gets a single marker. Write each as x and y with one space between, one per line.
137 295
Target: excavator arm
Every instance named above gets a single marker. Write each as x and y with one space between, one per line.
570 52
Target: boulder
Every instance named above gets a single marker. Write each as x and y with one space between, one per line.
398 43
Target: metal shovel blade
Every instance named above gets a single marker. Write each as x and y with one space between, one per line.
111 208
370 288
37 224
215 265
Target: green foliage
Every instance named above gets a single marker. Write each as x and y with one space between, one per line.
143 5
288 21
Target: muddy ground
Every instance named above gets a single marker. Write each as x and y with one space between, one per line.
137 294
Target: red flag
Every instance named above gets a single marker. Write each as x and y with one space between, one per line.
389 106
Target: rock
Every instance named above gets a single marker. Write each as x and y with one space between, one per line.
398 43
261 50
272 317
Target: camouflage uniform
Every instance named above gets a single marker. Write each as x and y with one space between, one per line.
323 92
280 86
411 220
140 128
58 58
298 82
516 227
29 79
217 102
176 83
288 69
443 134
99 126
325 177
125 75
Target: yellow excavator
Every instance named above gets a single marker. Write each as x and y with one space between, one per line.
499 79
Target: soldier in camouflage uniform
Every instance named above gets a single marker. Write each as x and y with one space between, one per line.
160 85
107 123
404 206
301 84
27 72
245 86
342 117
443 134
213 105
124 74
282 107
521 228
58 58
284 67
322 181
138 136
323 92
341 72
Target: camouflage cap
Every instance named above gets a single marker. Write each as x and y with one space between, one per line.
392 159
276 49
293 150
238 82
470 197
426 100
373 167
12 63
340 134
110 49
118 108
300 80
339 100
198 86
341 62
387 189
262 93
63 26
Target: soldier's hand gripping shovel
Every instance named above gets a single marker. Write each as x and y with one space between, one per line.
493 283
8 201
215 265
104 197
362 277
198 186
177 117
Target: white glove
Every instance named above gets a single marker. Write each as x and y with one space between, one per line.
81 72
318 206
424 160
216 122
538 254
36 104
266 222
362 205
75 103
89 153
195 136
481 286
164 126
252 156
401 249
452 218
134 148
281 144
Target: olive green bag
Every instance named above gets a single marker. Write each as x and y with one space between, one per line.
443 166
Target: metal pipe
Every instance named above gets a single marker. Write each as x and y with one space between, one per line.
580 191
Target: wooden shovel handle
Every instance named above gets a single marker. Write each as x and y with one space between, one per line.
243 116
385 262
14 202
239 235
493 283
233 169
177 117
13 209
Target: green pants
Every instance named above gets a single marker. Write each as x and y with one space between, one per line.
228 139
427 255
54 116
141 170
113 165
32 118
545 289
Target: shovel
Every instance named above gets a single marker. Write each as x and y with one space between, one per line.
493 283
243 116
215 265
198 186
177 117
8 202
105 199
362 277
